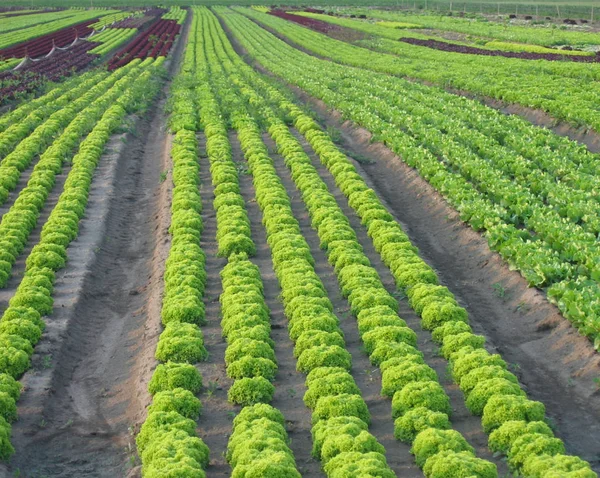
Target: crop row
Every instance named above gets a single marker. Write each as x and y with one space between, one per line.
167 442
481 170
523 55
42 45
55 68
10 22
517 424
175 13
28 119
389 30
562 89
22 324
111 39
544 36
14 163
44 105
21 219
340 415
107 20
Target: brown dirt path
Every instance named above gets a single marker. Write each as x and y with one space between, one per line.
214 425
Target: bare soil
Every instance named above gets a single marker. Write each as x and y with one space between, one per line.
86 391
214 426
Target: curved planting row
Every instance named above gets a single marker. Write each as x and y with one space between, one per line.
517 424
563 89
312 23
13 164
19 123
470 50
21 219
340 415
167 442
42 45
313 326
30 34
42 106
156 41
341 439
54 68
111 39
419 403
21 324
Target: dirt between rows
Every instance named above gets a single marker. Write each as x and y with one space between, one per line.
554 363
86 394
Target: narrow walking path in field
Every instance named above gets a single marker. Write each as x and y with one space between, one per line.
289 383
214 425
367 376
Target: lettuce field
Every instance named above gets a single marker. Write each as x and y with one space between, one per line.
287 241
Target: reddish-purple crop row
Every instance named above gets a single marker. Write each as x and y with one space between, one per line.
313 24
42 45
156 41
469 50
59 65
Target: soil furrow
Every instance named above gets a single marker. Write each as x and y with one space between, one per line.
367 376
214 425
289 383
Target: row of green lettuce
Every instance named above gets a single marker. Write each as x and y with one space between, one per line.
258 444
517 425
340 416
420 406
22 323
167 442
532 192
